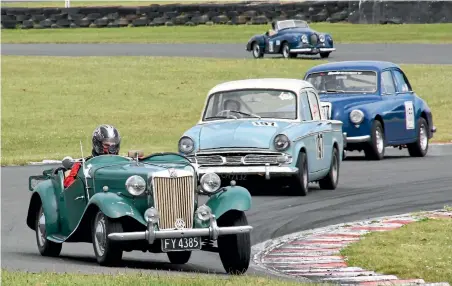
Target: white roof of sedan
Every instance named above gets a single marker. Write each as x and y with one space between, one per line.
266 83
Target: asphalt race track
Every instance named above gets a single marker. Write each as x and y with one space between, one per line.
396 185
399 53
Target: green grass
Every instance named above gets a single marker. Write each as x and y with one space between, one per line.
139 279
420 250
341 32
50 103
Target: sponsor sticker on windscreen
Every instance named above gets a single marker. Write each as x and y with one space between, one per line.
285 96
344 72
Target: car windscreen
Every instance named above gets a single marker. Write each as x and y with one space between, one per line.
344 81
291 24
251 103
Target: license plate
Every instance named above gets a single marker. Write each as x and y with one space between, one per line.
181 244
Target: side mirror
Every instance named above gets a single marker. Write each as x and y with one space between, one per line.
67 162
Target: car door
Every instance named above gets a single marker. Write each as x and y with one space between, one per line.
322 136
75 203
404 93
272 43
394 108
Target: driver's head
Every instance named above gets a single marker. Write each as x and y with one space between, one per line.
231 105
106 140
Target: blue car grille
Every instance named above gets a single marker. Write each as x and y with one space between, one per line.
236 160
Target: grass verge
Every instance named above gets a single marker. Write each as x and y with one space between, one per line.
420 250
341 32
45 278
50 103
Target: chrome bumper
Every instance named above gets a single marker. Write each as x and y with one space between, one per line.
213 232
250 170
312 50
358 139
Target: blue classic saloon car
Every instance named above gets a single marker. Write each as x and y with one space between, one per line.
377 105
255 130
290 38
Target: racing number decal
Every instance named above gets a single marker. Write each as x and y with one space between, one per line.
319 145
409 114
270 46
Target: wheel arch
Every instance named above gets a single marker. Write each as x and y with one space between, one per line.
35 204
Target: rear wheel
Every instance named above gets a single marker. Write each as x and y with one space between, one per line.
420 147
329 182
234 249
375 149
45 246
108 252
179 257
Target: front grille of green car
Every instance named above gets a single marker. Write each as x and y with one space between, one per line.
174 199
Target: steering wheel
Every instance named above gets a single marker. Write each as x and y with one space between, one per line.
228 114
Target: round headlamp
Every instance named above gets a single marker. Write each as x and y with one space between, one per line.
322 38
281 142
304 39
203 213
210 182
186 145
356 116
151 215
135 185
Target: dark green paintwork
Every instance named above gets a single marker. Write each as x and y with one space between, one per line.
64 209
234 198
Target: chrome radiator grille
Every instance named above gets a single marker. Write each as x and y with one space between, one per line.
314 39
236 159
174 199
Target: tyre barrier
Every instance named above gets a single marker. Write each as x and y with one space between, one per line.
238 13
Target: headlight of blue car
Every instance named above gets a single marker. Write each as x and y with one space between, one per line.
281 142
356 116
322 38
186 145
304 39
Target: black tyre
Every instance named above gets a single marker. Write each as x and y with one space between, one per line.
300 182
108 252
420 147
330 181
375 150
234 249
257 51
45 246
180 257
325 55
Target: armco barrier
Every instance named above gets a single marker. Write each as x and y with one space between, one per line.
371 12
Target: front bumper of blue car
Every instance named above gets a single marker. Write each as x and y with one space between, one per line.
312 50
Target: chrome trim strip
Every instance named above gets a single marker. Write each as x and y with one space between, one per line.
358 139
249 170
300 50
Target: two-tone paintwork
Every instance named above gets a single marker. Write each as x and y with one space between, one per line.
255 135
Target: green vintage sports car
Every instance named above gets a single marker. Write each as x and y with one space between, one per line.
150 203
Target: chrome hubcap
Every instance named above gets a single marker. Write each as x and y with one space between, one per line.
286 51
423 137
256 50
100 238
379 139
41 229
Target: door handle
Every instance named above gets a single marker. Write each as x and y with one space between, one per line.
79 198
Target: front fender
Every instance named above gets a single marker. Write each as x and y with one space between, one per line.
115 206
44 194
234 198
256 38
